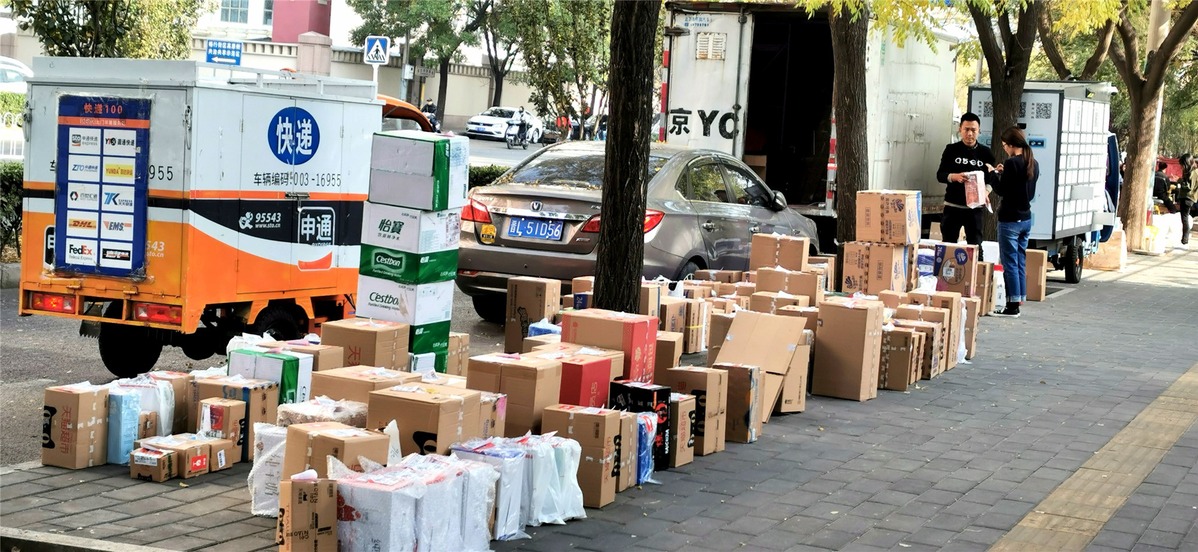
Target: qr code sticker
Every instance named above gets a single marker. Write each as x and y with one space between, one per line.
1022 109
987 109
1042 110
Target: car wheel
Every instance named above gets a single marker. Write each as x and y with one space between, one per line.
492 308
688 270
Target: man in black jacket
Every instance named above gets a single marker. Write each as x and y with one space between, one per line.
960 158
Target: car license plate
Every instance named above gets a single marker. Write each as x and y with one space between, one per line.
541 229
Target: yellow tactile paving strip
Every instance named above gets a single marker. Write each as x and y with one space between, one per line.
1073 514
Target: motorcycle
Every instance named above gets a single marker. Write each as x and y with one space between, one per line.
432 119
513 137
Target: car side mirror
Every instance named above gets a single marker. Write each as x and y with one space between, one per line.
779 201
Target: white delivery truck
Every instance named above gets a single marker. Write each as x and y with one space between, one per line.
1068 127
755 81
179 203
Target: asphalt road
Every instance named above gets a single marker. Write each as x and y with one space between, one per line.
40 351
494 152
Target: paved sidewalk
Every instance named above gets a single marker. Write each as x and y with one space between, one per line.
956 464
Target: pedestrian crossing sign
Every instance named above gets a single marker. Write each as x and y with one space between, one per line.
377 50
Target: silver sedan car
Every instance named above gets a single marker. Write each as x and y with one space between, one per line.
541 218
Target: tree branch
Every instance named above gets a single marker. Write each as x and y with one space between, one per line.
989 43
1131 46
1004 27
1100 51
1049 42
1159 63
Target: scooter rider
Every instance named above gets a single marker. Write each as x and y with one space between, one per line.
521 118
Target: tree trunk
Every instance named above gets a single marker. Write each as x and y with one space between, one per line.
498 78
852 148
1141 161
621 256
442 90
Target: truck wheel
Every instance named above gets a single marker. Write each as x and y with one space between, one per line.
280 322
127 351
492 308
1074 255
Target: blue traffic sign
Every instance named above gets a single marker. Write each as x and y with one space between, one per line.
377 50
227 52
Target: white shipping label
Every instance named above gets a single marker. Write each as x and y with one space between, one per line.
147 458
220 459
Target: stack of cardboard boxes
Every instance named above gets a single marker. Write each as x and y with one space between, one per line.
410 230
883 257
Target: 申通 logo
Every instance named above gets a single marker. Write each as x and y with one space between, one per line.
293 135
246 221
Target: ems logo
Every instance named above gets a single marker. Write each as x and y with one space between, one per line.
115 226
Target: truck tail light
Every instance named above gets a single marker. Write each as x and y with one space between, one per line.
652 219
153 312
475 211
52 302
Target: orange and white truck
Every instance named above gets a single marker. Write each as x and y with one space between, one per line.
181 203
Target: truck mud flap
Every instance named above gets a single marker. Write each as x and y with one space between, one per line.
91 328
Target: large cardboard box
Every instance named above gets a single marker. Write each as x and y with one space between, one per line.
529 300
191 454
405 267
672 314
889 216
531 383
459 354
494 414
634 396
985 288
725 276
430 418
531 343
887 268
955 267
75 426
973 306
951 302
585 380
151 464
419 170
847 347
809 284
414 304
899 364
261 400
855 275
669 352
775 344
355 383
1037 274
794 383
809 315
744 402
221 418
558 351
634 334
650 303
770 301
307 516
309 446
939 316
181 384
698 314
933 347
717 325
776 250
369 342
410 230
221 454
1111 255
682 424
626 449
892 299
596 430
709 386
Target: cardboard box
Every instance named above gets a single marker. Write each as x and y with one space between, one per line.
584 380
147 424
583 300
307 516
682 424
672 315
951 302
794 383
557 351
770 301
718 332
744 417
669 352
709 386
369 342
181 384
985 288
309 445
933 346
898 367
261 400
75 426
419 170
191 452
892 299
222 419
529 300
597 431
493 414
650 303
531 343
777 346
698 314
431 418
633 396
776 250
459 354
531 382
847 347
1037 274
222 455
152 465
634 334
410 230
582 284
626 449
809 284
971 313
889 216
939 316
355 383
697 289
405 267
888 266
810 315
415 304
324 357
956 268
1111 254
725 276
757 163
855 274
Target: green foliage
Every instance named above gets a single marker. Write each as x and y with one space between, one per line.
11 175
566 47
157 29
438 27
485 174
12 106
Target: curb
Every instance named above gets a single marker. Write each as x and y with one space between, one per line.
35 541
10 275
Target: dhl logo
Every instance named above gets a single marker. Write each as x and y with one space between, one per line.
82 223
119 170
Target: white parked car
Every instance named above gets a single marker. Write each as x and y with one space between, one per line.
493 123
13 75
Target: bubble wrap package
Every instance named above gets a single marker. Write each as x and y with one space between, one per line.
377 511
124 406
439 512
269 443
156 396
323 409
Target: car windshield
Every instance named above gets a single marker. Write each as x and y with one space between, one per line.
499 112
568 168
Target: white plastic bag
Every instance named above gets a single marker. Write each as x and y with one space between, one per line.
961 332
439 511
568 454
269 443
323 409
156 396
377 511
509 496
1000 289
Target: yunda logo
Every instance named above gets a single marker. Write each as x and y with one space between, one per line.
114 198
79 250
384 298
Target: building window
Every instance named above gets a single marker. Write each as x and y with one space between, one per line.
235 11
268 13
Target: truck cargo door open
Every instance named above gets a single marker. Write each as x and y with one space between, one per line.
708 83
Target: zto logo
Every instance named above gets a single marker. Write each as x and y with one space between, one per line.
388 226
84 167
246 221
114 198
293 135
